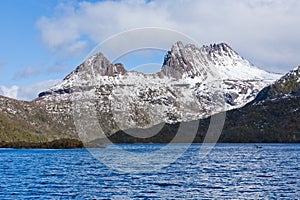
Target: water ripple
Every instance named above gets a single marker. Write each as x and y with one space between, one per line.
230 171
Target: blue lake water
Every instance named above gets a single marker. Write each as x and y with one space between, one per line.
229 171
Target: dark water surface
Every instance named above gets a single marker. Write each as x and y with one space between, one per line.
230 171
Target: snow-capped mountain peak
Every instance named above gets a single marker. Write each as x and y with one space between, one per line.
99 65
195 61
193 83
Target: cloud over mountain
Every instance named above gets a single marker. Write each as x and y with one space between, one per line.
27 92
266 31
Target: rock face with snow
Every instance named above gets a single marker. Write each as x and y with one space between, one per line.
193 83
202 61
273 116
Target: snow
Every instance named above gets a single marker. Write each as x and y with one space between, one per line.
228 64
219 70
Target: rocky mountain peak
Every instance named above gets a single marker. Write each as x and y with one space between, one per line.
219 47
189 60
178 61
193 61
94 67
98 65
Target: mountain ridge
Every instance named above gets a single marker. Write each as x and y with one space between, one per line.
210 56
194 83
263 120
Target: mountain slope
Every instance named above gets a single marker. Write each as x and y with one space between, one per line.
99 97
193 83
27 122
289 85
274 117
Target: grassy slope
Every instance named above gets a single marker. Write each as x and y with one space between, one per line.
27 122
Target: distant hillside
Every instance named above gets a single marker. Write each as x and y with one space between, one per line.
24 124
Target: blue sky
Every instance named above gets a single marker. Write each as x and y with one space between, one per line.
43 41
21 45
24 59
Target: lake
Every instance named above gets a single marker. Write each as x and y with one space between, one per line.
229 171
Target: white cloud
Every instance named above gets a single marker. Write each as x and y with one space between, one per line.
31 92
11 92
76 48
264 31
28 92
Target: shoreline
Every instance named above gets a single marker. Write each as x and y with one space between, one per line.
76 144
55 144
